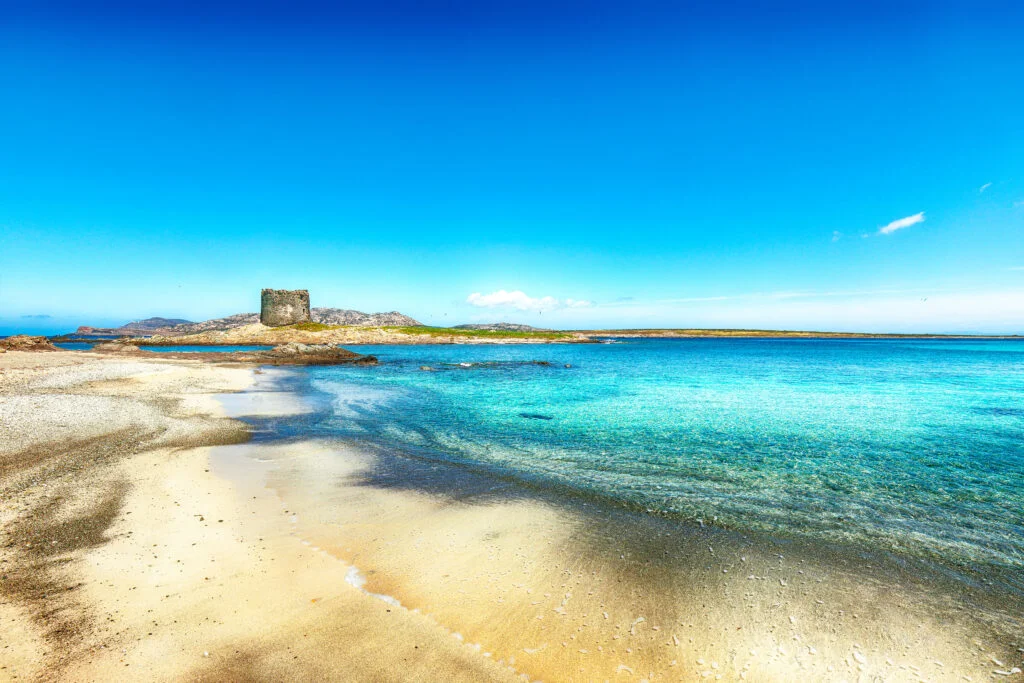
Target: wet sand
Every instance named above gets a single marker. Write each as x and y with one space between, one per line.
564 590
147 552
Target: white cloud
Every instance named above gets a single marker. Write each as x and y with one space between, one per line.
984 187
836 235
521 301
901 223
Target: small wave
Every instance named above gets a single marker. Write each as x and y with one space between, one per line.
353 577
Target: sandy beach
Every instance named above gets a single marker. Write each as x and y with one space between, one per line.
146 537
124 557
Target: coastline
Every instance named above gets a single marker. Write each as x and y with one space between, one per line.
779 334
333 337
258 334
491 580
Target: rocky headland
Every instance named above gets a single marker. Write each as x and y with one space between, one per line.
25 342
169 327
319 333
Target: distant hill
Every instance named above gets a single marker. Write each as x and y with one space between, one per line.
343 316
174 328
147 326
501 327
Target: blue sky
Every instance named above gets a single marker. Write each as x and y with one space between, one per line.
850 167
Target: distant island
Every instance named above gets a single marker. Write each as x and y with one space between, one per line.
136 327
501 327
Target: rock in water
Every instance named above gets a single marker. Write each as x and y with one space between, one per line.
115 347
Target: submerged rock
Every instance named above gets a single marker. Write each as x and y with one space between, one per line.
295 353
114 347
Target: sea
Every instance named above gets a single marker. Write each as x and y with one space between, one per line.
909 448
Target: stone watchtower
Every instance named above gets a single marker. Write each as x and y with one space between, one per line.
284 307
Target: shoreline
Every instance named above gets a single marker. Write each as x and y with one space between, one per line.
908 601
315 532
124 556
564 591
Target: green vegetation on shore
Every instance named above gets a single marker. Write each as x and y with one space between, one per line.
671 332
310 327
496 334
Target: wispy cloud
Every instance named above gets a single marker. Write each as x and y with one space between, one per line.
836 235
984 187
521 301
901 223
37 316
1018 204
1017 268
766 297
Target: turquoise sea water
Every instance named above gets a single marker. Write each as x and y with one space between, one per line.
912 447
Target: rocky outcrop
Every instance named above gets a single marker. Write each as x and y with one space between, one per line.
313 354
24 342
344 316
228 323
325 316
280 307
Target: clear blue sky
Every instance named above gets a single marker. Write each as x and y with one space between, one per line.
572 165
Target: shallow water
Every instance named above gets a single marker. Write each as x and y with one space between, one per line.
914 448
75 346
184 348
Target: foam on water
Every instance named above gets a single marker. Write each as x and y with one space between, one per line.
354 577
